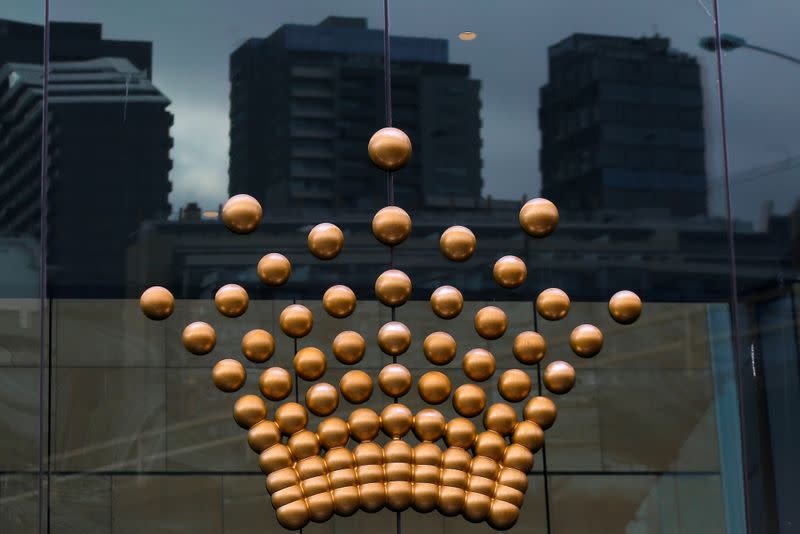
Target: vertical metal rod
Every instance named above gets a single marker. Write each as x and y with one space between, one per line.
544 444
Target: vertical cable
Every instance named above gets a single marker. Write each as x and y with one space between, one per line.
544 444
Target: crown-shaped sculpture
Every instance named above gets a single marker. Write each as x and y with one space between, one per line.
313 474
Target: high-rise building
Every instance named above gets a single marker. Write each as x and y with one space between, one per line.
621 124
305 100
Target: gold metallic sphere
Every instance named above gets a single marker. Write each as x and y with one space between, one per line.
199 338
263 435
447 302
529 347
469 400
322 399
310 363
293 516
501 418
490 444
339 301
518 457
274 269
296 320
391 225
242 214
303 444
538 217
348 347
393 287
434 387
458 243
502 515
625 307
389 149
514 385
231 300
291 417
529 435
364 424
429 425
325 241
559 377
396 420
258 345
491 322
541 411
356 386
479 365
249 410
333 432
394 380
228 375
394 338
552 304
586 340
439 348
157 303
275 458
510 272
460 432
275 383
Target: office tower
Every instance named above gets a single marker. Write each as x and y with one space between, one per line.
305 100
621 124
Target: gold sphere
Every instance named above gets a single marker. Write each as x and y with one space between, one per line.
538 217
559 377
364 424
228 375
258 345
529 435
434 387
275 458
310 363
447 302
231 300
460 432
349 347
356 386
479 365
322 399
529 347
274 269
157 303
325 241
393 287
586 340
249 410
502 515
242 214
518 457
491 322
263 435
394 380
389 149
199 338
501 418
303 444
429 425
333 432
510 272
293 516
469 400
275 383
394 338
391 225
439 348
625 307
514 385
291 417
396 420
458 243
552 304
296 320
490 444
339 301
541 411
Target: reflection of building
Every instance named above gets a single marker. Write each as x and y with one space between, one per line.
622 126
305 100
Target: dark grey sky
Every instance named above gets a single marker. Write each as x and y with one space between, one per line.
193 38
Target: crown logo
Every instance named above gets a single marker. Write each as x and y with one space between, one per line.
313 474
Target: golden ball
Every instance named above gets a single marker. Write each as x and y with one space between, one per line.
348 347
372 497
231 300
333 432
434 387
479 365
258 345
263 435
228 375
396 420
296 320
322 399
394 380
428 454
393 287
529 435
394 338
320 506
293 516
485 467
502 515
325 241
157 303
501 418
275 458
469 400
476 507
514 385
541 411
310 363
242 214
345 500
451 500
398 495
529 347
275 383
518 457
439 348
510 272
447 302
364 424
559 377
303 444
339 301
429 424
274 269
552 304
586 340
249 410
398 451
538 217
356 386
513 479
199 338
391 225
291 417
490 444
625 307
491 322
460 432
458 243
389 149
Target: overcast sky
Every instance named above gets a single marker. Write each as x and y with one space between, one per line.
193 38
